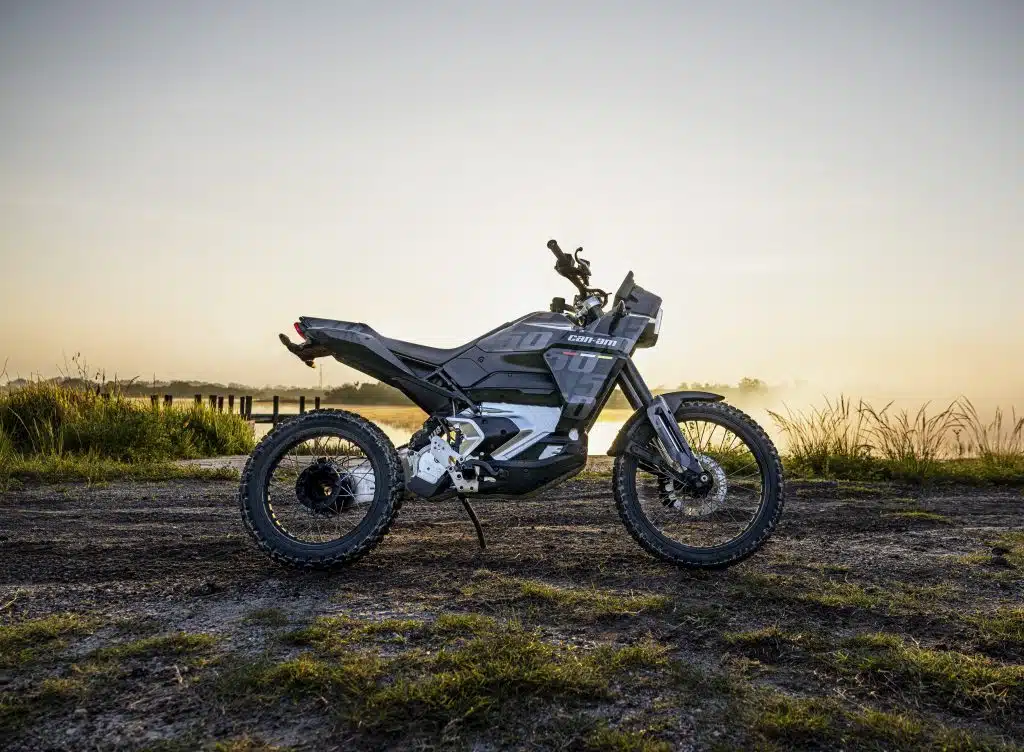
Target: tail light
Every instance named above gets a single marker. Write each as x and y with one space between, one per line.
298 328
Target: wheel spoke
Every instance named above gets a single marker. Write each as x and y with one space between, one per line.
710 519
321 487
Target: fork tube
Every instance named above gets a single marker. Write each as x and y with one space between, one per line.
634 386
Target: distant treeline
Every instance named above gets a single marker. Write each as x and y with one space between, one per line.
365 393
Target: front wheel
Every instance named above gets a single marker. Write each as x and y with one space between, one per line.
712 528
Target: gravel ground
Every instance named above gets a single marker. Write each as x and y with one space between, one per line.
157 558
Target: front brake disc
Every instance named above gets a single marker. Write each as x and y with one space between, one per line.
675 496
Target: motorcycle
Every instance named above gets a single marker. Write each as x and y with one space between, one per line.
696 482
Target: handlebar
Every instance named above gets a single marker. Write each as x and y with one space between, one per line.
559 253
574 269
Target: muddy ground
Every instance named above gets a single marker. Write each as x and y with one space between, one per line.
876 617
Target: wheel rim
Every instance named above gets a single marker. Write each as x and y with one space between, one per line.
320 487
727 510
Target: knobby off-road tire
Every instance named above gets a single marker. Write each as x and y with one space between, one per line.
624 476
387 500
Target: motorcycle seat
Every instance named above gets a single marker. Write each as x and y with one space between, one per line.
433 355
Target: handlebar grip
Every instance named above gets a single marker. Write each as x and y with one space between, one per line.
553 246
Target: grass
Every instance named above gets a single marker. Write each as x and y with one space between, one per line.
480 672
825 723
587 604
178 643
605 739
795 592
95 469
59 432
95 673
842 441
29 641
269 617
958 680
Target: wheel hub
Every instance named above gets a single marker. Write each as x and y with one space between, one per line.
324 488
697 503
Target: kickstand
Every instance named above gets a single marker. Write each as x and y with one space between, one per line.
476 523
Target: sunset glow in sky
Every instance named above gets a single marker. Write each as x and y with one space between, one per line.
831 192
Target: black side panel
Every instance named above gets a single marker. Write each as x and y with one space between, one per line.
673 399
582 377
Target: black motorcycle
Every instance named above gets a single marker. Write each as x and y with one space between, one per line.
696 482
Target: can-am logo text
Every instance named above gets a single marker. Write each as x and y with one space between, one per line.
593 340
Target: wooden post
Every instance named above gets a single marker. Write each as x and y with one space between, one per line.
199 399
241 405
277 409
154 401
168 400
316 403
231 403
213 401
220 403
302 404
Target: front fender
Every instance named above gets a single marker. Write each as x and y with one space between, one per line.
674 399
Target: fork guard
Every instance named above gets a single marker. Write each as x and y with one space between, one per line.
673 400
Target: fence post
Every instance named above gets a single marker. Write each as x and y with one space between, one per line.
220 403
154 401
302 404
168 400
231 403
277 409
316 403
199 399
213 401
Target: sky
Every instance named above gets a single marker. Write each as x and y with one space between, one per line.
824 192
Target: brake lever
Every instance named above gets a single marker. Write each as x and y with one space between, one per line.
582 265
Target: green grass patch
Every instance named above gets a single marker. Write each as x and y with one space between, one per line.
581 603
93 469
39 639
479 672
88 677
1001 630
336 632
825 592
823 722
770 644
957 680
606 739
178 643
269 617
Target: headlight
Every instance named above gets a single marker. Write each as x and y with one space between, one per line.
657 321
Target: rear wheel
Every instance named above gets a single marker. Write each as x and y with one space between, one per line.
717 527
321 490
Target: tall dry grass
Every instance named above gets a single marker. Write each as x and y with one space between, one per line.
841 440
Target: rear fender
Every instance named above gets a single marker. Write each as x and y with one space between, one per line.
673 399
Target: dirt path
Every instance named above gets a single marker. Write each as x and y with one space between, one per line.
138 560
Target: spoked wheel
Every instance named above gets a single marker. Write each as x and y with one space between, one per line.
321 490
718 526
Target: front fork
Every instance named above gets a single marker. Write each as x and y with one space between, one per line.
664 423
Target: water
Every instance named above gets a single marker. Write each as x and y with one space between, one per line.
409 420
